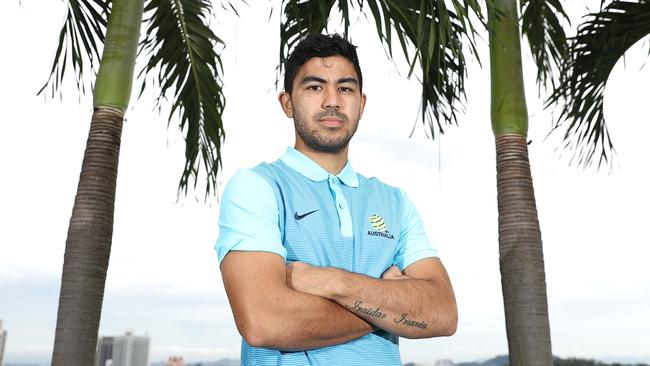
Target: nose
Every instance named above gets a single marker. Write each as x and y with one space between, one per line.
332 99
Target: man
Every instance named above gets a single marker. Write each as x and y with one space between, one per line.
321 265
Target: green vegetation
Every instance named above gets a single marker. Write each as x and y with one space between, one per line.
557 361
585 362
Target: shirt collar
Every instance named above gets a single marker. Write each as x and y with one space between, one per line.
311 170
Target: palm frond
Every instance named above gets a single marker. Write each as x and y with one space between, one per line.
600 42
181 48
435 30
79 39
302 17
541 24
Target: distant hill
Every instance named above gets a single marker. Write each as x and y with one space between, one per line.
582 362
557 361
496 361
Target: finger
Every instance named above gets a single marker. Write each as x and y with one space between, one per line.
391 272
395 271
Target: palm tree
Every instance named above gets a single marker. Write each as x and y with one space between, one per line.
600 42
180 48
436 33
520 244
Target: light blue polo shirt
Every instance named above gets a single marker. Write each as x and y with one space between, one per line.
296 209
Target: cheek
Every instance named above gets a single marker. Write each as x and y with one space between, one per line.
307 108
354 104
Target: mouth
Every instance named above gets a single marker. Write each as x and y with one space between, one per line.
330 121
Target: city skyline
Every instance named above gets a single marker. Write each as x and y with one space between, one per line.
163 277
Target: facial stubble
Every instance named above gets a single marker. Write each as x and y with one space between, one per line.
315 138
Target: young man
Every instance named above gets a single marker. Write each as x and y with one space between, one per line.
321 265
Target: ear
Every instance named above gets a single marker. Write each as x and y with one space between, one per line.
363 105
285 102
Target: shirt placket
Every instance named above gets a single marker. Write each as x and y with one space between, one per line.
342 207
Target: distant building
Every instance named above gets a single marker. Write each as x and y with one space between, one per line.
131 350
175 361
104 351
444 363
3 342
126 350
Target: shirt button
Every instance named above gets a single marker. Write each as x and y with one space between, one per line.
341 205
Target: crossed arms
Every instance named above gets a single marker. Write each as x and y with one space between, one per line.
297 307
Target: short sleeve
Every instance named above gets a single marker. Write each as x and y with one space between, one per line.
413 243
249 216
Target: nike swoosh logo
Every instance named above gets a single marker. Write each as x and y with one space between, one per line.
300 217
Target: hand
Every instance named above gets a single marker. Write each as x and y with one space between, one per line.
320 281
302 277
393 273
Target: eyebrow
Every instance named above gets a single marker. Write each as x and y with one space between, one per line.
348 80
310 78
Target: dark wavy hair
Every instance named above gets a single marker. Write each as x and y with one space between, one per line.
319 45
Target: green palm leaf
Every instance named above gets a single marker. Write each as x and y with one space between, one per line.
600 42
181 49
435 31
83 30
542 27
301 18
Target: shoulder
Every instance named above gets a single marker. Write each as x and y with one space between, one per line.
249 214
246 180
247 201
248 189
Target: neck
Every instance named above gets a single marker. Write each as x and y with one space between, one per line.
333 163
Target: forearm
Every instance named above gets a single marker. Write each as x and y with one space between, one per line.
411 308
299 321
270 314
408 308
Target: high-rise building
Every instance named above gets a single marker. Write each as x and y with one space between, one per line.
104 351
3 342
131 350
126 350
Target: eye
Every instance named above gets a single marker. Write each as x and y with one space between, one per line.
346 89
314 87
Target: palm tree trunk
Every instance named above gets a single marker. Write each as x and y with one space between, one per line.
88 245
90 233
520 256
520 243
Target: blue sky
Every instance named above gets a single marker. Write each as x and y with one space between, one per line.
163 277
